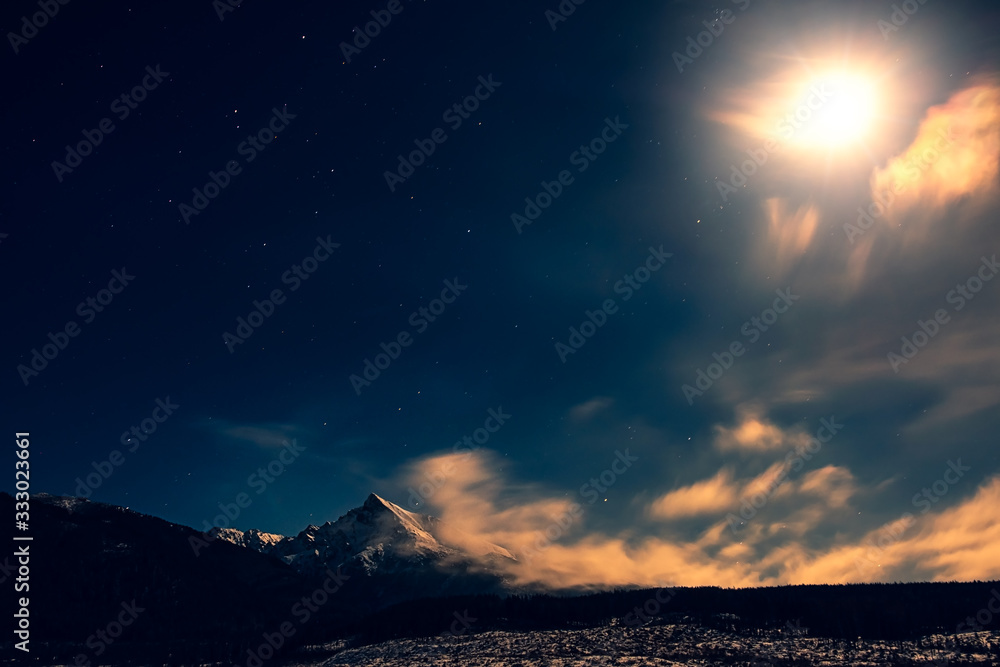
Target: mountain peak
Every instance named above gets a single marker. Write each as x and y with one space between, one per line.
429 532
381 537
389 514
378 505
375 502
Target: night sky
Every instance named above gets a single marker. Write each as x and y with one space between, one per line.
533 268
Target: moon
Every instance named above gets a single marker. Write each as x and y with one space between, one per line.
841 108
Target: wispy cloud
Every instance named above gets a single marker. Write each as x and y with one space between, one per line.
588 409
955 155
810 531
262 435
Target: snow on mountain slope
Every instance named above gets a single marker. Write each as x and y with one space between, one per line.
252 539
660 644
440 532
380 537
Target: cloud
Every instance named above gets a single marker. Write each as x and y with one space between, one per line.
790 231
466 493
955 155
584 411
782 548
753 434
807 533
960 365
767 483
711 496
830 487
937 194
960 543
268 436
957 544
965 362
832 484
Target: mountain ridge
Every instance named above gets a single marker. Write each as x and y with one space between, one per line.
378 535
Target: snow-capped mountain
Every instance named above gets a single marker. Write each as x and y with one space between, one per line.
381 540
223 592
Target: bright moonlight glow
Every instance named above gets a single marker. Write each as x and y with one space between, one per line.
809 116
840 107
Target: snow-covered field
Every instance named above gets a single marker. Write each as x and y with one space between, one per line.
664 645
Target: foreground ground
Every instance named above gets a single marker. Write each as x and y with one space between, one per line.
662 645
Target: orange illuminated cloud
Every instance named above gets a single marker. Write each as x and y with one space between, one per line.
754 434
956 544
954 155
960 543
789 233
790 542
835 485
711 496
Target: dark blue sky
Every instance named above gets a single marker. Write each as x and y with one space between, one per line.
623 154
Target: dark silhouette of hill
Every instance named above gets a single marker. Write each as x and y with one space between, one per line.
88 562
849 611
89 559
